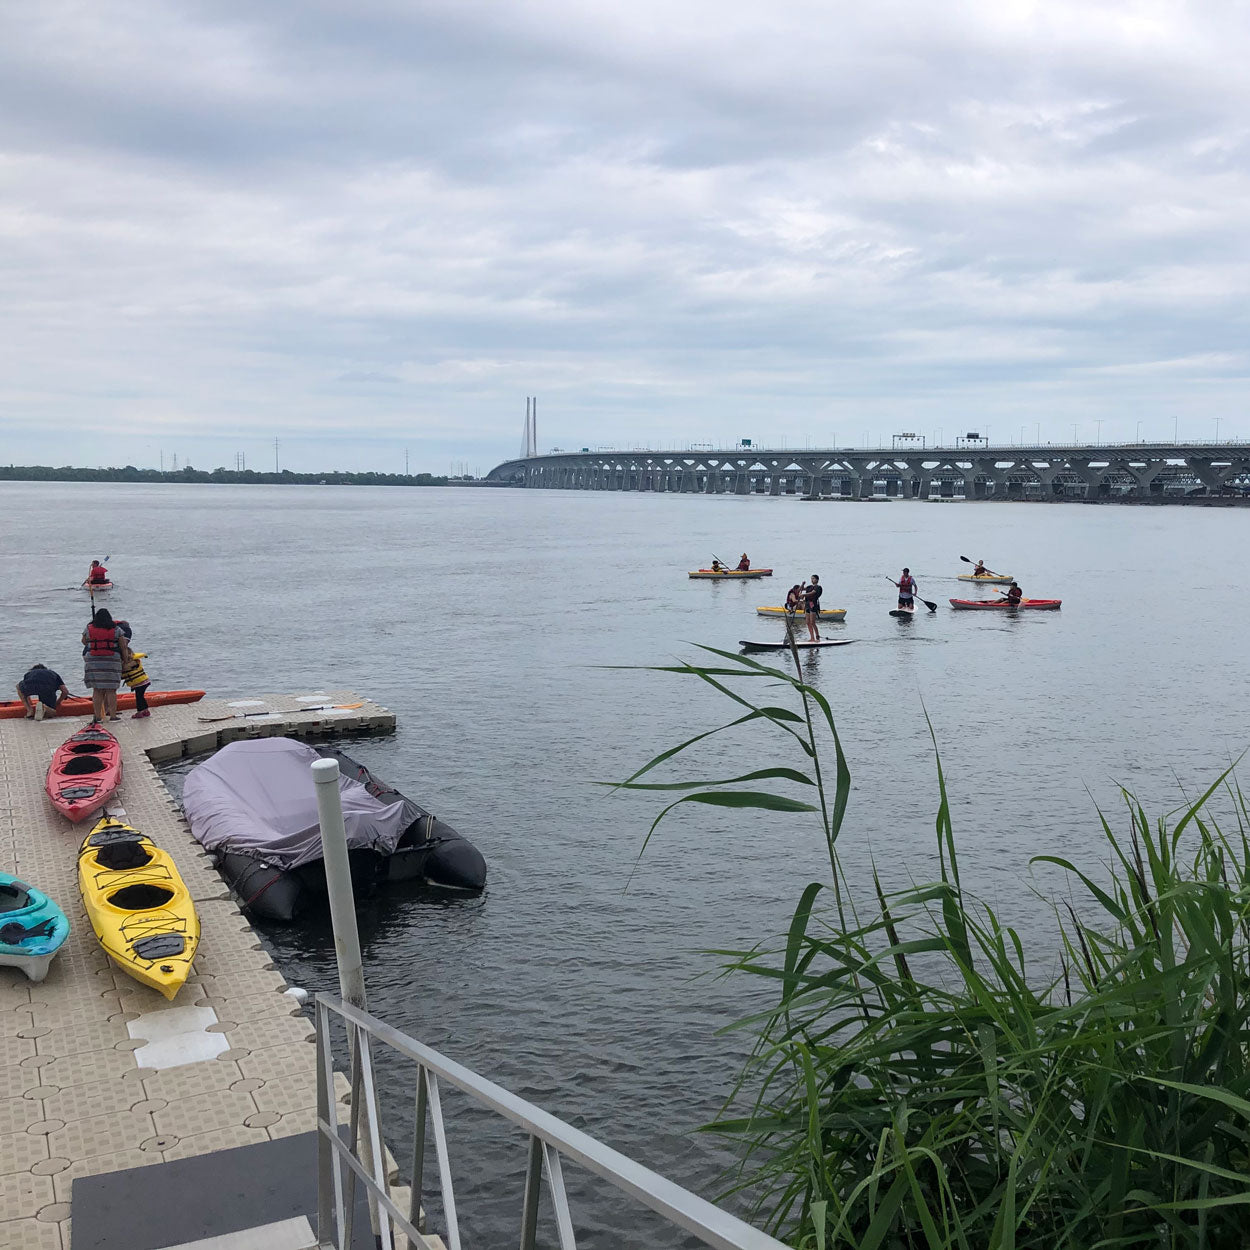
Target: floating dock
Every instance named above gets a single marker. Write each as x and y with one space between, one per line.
101 1074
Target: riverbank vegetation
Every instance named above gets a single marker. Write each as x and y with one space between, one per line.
923 1080
247 477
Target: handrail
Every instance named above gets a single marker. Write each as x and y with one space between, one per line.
550 1141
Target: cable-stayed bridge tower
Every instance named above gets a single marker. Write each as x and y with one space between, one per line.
529 442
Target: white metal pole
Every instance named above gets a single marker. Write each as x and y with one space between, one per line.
339 883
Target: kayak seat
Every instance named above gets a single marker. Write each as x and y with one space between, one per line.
142 896
121 856
13 897
88 748
82 765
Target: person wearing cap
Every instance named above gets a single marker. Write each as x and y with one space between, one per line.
41 688
1014 595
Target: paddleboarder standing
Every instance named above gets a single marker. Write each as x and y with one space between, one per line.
811 605
907 591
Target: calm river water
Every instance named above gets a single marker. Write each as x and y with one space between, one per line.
484 617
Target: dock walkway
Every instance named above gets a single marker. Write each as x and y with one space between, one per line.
100 1073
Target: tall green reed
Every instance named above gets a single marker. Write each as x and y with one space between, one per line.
920 1081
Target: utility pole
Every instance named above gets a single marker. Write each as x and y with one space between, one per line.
405 461
275 455
162 460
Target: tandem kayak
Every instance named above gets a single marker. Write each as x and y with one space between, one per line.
826 614
140 909
32 927
12 709
802 646
995 579
85 772
1001 605
739 573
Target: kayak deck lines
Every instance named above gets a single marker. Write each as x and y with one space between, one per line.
231 1051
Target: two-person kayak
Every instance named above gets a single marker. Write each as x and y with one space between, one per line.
731 573
825 614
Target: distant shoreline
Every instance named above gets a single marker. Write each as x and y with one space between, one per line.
235 477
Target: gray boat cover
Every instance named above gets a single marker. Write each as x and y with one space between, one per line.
257 798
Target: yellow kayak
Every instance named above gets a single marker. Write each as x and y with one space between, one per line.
989 579
140 909
826 614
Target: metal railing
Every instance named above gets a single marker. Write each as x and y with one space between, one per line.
341 1163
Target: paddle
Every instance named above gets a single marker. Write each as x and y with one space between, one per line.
269 711
928 603
973 562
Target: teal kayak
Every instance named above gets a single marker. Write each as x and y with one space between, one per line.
32 927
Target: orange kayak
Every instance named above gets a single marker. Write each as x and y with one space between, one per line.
13 709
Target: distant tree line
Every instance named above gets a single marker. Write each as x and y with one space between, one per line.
45 473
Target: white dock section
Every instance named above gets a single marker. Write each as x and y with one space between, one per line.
98 1073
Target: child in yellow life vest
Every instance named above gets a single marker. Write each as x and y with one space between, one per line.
135 677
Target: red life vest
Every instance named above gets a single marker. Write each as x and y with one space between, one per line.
98 574
906 584
102 643
743 565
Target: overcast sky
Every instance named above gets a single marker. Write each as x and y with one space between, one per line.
369 226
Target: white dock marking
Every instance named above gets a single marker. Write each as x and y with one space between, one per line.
176 1036
296 1234
246 703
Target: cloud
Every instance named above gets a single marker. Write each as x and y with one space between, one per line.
357 227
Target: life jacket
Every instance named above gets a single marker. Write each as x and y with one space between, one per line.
102 643
906 584
744 565
98 574
133 674
1015 594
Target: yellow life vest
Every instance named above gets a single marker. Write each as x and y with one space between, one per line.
133 674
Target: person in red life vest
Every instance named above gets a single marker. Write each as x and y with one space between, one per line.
907 591
106 652
97 574
744 564
1014 595
811 606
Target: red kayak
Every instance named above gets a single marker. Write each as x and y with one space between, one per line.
13 709
1001 605
85 771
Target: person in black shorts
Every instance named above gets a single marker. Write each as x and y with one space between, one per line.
811 605
40 688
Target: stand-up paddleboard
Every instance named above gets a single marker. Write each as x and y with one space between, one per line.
802 646
903 613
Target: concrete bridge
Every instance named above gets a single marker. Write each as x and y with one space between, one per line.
1105 471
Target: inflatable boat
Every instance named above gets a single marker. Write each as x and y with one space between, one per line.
253 808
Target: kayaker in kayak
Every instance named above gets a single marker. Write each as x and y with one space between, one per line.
97 574
744 565
981 570
106 653
811 606
907 591
717 566
1014 595
40 688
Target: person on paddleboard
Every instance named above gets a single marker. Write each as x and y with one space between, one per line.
794 599
744 565
907 591
811 606
1014 595
97 574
